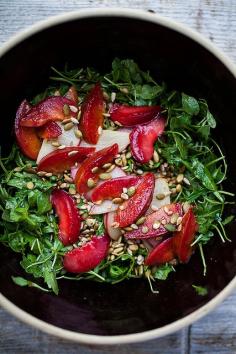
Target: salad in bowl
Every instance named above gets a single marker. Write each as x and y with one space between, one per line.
112 177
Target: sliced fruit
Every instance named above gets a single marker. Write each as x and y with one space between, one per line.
137 205
87 257
143 137
105 207
69 218
27 138
50 130
72 95
50 109
109 137
130 115
153 225
161 254
183 239
161 194
113 188
113 232
98 159
61 160
67 138
91 121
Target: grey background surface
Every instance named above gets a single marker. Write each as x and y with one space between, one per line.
215 333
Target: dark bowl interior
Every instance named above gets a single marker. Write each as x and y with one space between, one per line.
185 65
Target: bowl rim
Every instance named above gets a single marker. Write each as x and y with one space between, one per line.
209 306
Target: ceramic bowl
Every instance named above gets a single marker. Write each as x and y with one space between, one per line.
128 312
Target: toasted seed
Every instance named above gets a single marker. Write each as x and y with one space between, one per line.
140 259
128 228
124 90
90 183
117 200
55 143
111 168
72 191
145 229
73 109
156 225
48 174
166 210
179 228
99 130
186 181
71 153
141 220
78 133
68 126
105 176
121 207
124 196
106 115
107 165
118 161
124 160
131 191
30 185
163 221
90 222
179 220
74 120
180 178
64 185
113 96
134 226
160 196
124 168
174 218
154 207
95 170
178 188
133 248
66 109
173 191
186 207
105 95
139 172
41 173
128 155
57 93
61 147
67 120
156 157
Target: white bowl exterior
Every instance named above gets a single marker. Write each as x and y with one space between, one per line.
197 314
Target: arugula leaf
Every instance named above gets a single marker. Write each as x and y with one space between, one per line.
200 290
163 271
190 104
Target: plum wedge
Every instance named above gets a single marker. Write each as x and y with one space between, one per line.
54 108
129 211
129 116
183 239
155 223
96 160
161 254
27 138
50 130
92 115
69 218
61 160
85 258
143 137
113 188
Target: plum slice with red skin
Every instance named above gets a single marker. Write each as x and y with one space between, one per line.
133 115
61 160
137 205
113 188
88 256
69 218
27 138
143 137
183 239
91 120
50 130
97 159
155 218
50 109
161 254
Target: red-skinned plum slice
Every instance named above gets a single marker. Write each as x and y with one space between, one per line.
133 115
